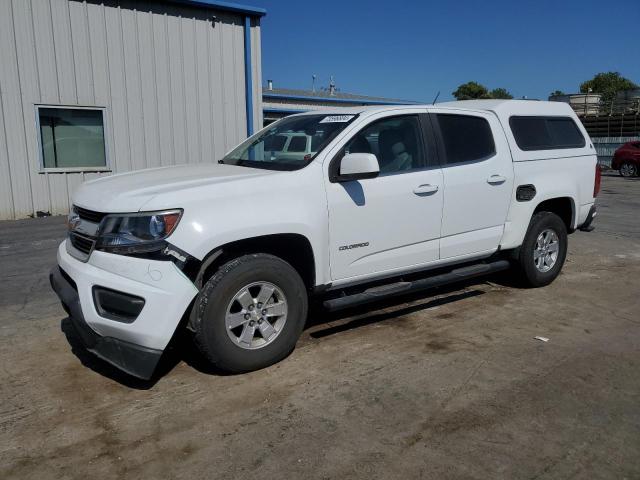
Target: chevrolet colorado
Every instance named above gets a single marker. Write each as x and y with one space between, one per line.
374 202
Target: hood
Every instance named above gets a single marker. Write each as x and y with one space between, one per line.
129 192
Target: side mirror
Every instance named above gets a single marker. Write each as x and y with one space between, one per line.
358 166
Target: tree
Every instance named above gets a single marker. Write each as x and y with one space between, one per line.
607 84
475 90
470 91
500 93
556 93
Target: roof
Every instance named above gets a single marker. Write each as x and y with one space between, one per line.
355 110
324 96
226 6
502 108
511 107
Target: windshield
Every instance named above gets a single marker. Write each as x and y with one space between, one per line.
290 143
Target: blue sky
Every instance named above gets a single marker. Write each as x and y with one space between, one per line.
412 49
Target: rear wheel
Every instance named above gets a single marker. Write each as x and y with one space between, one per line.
250 313
544 250
628 169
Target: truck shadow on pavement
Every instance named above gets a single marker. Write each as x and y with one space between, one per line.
181 348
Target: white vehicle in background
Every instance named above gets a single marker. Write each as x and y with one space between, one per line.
290 146
388 200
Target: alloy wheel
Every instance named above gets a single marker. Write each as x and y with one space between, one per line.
256 315
628 170
546 249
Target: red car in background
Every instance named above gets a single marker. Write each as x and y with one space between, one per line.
626 159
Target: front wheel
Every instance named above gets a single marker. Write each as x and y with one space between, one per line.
628 170
543 250
250 313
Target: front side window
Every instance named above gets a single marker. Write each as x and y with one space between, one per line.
283 144
466 138
546 133
72 138
396 142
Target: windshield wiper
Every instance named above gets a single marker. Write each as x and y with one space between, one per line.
279 166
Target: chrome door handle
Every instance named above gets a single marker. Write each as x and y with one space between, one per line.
425 189
496 179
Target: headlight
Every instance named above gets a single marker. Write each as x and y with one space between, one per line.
136 232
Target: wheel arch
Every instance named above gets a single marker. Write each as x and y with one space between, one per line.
521 213
294 248
564 207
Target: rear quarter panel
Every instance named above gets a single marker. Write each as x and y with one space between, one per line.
571 177
559 173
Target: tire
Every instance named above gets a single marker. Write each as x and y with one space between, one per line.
544 270
628 170
223 303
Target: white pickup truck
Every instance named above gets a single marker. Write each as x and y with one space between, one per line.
373 202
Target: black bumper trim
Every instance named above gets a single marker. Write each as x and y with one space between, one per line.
587 225
133 359
115 305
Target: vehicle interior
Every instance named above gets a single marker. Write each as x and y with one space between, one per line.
393 141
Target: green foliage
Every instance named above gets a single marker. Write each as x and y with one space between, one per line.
607 84
556 93
500 93
475 90
471 91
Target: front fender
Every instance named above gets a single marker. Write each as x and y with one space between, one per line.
284 203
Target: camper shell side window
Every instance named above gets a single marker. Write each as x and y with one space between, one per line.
546 133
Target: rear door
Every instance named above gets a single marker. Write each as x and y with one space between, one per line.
478 181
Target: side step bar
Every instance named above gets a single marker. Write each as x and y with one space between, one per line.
384 291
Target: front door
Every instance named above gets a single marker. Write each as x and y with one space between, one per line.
392 221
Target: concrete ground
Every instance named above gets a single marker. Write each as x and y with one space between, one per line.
448 385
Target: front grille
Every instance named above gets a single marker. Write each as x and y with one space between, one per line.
84 244
89 215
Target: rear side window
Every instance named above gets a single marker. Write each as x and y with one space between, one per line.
546 133
466 138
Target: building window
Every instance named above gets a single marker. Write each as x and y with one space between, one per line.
72 138
546 133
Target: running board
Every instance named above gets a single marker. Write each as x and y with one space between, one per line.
384 291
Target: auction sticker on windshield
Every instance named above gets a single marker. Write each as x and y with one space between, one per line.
337 119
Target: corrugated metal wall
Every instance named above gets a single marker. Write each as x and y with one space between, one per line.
171 80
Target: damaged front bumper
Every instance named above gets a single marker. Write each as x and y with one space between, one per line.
135 343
